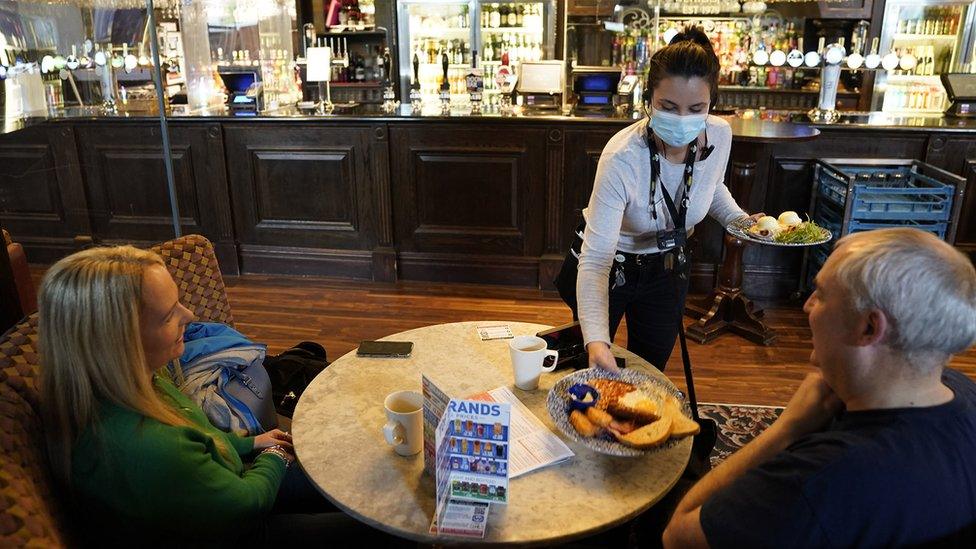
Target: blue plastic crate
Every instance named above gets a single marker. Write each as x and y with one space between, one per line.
938 229
830 220
894 193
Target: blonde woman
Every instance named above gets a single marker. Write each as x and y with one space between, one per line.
136 457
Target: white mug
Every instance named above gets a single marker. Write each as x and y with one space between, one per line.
404 429
528 355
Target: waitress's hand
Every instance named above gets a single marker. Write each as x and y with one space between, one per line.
756 216
601 357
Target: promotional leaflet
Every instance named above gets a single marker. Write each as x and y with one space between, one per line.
470 460
435 402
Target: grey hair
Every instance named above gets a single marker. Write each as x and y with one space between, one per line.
925 287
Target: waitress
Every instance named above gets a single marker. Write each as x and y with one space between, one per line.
655 181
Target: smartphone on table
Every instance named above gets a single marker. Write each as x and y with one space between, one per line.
385 349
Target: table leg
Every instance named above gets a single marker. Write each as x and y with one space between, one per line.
727 309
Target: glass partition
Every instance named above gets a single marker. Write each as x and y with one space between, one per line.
85 157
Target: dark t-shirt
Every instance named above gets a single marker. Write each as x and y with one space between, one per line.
876 478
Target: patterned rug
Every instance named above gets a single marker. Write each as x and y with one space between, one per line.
737 425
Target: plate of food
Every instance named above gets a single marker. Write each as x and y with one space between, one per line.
630 414
786 230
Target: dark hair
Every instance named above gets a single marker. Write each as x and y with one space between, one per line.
689 54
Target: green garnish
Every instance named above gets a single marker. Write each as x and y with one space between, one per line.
804 233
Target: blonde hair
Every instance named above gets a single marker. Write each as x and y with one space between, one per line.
925 287
91 348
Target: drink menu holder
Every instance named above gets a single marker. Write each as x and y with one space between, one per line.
468 455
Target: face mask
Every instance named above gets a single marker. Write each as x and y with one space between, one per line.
677 130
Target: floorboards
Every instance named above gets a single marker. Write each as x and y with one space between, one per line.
281 311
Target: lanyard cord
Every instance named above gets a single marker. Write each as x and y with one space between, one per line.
656 176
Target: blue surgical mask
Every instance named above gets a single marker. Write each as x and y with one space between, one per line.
675 129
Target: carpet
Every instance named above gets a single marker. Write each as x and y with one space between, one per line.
737 425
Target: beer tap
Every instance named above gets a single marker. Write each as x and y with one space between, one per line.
390 103
445 86
416 99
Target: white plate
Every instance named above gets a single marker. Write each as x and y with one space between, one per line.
740 229
558 405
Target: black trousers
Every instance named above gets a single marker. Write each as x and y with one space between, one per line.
651 297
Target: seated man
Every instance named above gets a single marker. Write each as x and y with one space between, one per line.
877 448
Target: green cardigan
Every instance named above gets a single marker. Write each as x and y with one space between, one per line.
133 476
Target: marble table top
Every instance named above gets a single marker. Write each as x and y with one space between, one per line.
339 443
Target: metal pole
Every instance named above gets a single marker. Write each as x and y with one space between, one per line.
164 129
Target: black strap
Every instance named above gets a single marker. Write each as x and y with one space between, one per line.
687 177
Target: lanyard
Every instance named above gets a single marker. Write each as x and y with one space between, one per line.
677 215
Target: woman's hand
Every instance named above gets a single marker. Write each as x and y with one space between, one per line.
756 216
272 438
601 357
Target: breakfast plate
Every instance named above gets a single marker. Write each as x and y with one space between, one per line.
559 403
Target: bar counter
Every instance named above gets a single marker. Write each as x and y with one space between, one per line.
367 195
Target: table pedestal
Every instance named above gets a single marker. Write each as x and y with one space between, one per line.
727 309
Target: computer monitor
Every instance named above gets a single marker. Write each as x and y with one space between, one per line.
541 77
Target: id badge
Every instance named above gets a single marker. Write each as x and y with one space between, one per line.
670 239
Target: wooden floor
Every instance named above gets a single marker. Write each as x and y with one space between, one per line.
281 311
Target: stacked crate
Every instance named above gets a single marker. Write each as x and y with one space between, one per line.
850 196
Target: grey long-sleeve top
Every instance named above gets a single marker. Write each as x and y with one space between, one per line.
618 216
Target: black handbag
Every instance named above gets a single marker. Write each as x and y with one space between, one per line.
292 371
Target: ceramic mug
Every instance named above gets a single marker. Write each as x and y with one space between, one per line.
404 429
528 355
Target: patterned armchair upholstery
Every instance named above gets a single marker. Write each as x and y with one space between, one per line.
29 514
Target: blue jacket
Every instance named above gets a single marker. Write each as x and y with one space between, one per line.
223 372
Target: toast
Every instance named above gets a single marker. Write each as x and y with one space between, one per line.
681 425
648 436
583 425
636 405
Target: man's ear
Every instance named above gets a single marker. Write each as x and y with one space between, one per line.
872 328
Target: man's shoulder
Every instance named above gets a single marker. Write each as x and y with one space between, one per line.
960 384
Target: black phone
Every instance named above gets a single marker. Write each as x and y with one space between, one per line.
386 349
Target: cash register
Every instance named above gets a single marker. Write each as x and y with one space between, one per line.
594 88
244 90
961 90
540 83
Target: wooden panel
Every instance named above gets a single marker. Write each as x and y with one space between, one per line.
28 191
41 194
966 234
304 196
132 200
125 181
464 191
583 148
326 174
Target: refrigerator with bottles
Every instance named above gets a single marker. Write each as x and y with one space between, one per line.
473 32
938 36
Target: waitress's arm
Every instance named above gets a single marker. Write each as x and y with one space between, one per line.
724 209
604 216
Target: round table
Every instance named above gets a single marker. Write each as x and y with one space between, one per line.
339 443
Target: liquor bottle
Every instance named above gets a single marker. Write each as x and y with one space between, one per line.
462 21
512 16
519 16
494 17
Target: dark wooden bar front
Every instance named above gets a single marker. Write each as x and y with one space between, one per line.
460 199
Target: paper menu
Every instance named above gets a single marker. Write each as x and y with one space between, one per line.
435 402
532 445
471 458
474 438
